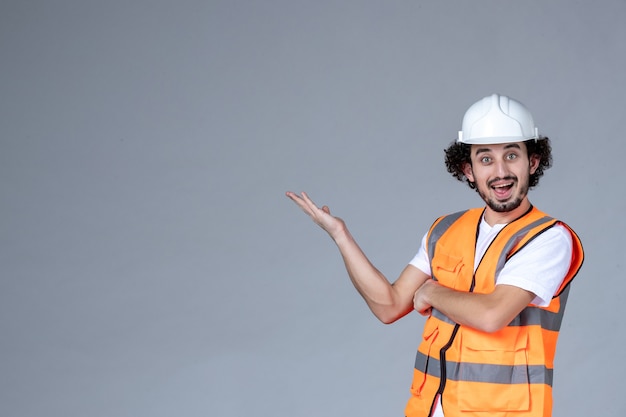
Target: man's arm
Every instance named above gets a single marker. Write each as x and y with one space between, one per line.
485 312
387 301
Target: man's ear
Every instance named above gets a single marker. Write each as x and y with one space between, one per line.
467 170
534 163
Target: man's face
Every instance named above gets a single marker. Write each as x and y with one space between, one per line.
501 173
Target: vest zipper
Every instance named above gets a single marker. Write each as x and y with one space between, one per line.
442 364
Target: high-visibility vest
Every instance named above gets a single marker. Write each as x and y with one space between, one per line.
506 373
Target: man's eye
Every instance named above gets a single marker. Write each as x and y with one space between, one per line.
485 159
511 156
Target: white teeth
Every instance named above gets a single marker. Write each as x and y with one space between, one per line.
503 186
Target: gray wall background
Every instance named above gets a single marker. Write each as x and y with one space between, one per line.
150 263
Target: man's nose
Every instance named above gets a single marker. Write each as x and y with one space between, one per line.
501 169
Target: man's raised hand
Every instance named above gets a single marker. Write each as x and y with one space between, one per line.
321 216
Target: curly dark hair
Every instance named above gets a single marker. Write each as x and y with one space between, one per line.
458 154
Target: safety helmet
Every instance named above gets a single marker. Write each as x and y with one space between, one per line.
497 119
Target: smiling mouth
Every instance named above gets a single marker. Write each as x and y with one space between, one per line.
501 187
503 190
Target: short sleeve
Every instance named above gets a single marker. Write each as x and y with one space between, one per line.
541 265
421 260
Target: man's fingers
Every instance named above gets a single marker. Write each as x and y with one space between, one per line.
308 200
300 202
312 204
305 200
305 203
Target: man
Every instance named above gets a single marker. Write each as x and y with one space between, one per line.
492 281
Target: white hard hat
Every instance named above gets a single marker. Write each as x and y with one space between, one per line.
497 119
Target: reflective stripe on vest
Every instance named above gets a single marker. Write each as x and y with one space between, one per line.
480 372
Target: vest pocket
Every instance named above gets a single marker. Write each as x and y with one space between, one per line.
493 371
446 268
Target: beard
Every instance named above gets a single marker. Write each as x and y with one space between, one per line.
505 206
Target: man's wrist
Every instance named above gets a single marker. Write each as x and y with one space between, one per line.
341 235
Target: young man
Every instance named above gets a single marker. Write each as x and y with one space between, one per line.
492 281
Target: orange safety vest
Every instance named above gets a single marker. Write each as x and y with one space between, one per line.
477 374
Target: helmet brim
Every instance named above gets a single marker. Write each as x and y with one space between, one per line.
496 140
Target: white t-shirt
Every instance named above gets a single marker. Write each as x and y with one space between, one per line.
539 267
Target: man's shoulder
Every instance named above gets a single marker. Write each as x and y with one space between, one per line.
464 219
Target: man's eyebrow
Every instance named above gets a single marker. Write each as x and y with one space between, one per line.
507 146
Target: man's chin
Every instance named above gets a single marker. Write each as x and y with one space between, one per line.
504 207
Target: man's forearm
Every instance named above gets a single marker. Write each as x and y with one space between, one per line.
373 286
485 312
